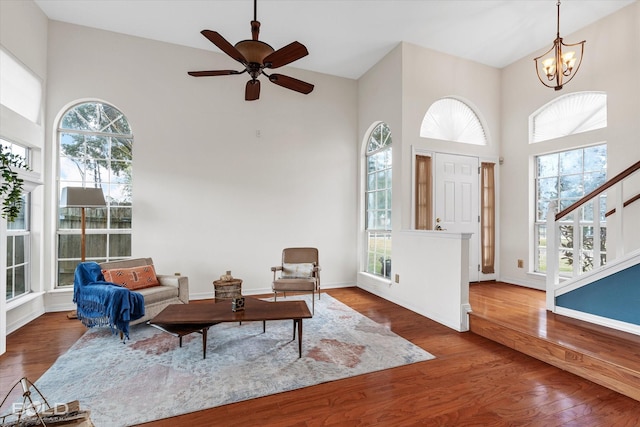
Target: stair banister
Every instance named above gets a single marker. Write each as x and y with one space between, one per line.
553 230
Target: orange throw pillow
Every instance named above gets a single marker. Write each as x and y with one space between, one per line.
132 278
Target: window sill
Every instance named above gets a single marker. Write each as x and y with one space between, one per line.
63 290
369 279
23 300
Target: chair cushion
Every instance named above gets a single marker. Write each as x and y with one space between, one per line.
158 293
132 278
297 270
295 284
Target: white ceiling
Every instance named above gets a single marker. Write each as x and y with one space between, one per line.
347 37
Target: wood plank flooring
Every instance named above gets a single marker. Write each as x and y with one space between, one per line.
516 317
472 381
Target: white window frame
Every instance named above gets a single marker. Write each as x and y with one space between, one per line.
106 184
12 233
380 236
578 224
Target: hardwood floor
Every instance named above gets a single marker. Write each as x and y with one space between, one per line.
605 356
472 381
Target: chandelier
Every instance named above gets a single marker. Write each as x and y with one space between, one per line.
558 68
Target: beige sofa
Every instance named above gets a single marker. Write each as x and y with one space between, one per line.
172 290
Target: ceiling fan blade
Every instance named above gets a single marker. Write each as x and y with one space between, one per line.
252 91
212 73
291 83
215 38
286 55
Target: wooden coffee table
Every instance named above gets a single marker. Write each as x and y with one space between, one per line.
183 319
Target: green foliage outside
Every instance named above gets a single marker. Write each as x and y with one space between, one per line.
12 184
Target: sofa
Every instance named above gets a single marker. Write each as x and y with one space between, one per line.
171 290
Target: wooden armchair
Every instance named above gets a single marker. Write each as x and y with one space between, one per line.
299 272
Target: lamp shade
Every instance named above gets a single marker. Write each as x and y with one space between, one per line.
79 197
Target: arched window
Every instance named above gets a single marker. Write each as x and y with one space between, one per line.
450 119
95 150
569 114
378 201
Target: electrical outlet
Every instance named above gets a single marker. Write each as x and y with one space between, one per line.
520 263
397 278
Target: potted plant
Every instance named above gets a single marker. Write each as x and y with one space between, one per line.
11 185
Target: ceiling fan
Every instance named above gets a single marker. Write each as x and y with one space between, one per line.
256 56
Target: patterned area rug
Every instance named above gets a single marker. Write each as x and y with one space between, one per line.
151 377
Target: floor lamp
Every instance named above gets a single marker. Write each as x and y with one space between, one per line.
79 197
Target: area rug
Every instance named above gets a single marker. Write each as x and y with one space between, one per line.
150 377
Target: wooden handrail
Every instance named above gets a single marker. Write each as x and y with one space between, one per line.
610 183
624 205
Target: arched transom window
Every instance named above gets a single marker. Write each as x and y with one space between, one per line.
569 114
450 119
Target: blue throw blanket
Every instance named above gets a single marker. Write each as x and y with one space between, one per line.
101 303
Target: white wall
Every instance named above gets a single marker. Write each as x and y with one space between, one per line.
209 194
611 64
23 34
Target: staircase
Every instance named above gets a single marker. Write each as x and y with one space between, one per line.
605 294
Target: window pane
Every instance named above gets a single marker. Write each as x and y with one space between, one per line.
594 180
548 165
10 250
9 275
119 245
95 218
20 282
96 245
120 217
19 250
548 188
571 162
571 186
69 246
66 270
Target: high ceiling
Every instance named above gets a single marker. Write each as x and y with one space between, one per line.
347 37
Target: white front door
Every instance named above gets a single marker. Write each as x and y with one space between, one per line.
457 201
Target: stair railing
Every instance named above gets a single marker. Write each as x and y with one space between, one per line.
565 232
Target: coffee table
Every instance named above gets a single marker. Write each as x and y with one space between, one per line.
183 319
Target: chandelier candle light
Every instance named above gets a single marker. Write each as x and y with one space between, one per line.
558 66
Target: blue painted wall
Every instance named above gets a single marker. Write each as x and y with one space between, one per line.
615 297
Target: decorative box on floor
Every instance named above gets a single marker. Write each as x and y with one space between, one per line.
227 289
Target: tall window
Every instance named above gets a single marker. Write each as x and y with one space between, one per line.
450 119
95 150
18 238
565 177
378 201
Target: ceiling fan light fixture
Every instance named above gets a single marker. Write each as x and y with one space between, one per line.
256 56
254 50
